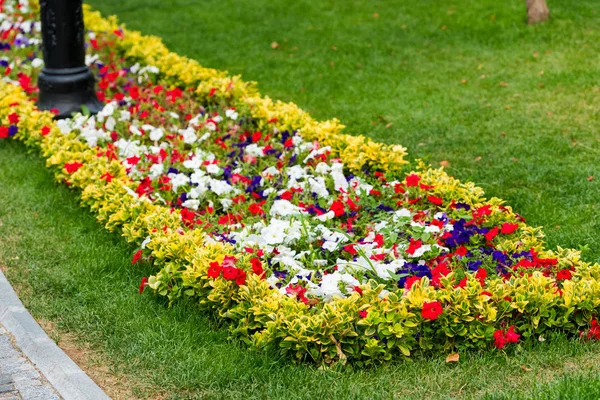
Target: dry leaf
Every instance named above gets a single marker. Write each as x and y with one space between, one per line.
445 163
388 125
503 84
274 45
333 48
590 178
478 158
452 357
526 369
332 63
375 15
443 27
464 81
515 159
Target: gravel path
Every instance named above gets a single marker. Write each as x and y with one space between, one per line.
19 379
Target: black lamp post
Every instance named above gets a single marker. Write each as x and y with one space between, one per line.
65 82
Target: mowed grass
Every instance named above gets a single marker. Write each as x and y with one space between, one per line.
460 82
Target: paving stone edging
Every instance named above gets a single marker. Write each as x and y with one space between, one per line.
61 372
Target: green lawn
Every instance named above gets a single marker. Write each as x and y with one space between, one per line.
538 144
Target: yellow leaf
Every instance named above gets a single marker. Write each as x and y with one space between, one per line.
453 357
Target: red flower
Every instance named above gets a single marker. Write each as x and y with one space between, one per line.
13 118
358 290
363 314
461 251
508 228
499 340
594 332
240 279
563 274
72 167
256 209
3 132
481 275
337 207
143 284
45 131
214 270
230 273
136 256
435 200
414 246
492 233
412 180
410 281
511 336
379 240
107 177
257 267
432 310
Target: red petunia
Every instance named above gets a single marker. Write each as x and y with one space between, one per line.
337 207
563 274
461 251
136 256
412 180
107 177
230 273
499 340
45 131
214 270
410 281
73 166
363 314
435 200
143 284
432 310
13 118
257 267
3 132
413 246
492 233
511 336
508 228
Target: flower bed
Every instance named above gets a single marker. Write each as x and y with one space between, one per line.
324 246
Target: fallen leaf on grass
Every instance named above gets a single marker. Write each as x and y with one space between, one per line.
590 178
478 158
375 15
526 369
452 357
274 45
445 163
503 84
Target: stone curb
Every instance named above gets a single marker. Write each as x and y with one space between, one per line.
62 373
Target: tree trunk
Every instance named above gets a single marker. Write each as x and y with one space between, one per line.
537 11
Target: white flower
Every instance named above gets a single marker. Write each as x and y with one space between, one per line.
270 171
179 180
135 130
37 62
339 180
330 285
213 169
283 208
220 187
318 186
254 150
64 125
191 204
156 170
230 113
156 134
110 123
198 176
189 136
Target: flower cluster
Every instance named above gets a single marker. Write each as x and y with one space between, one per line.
319 243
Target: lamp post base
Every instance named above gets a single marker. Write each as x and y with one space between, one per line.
67 90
